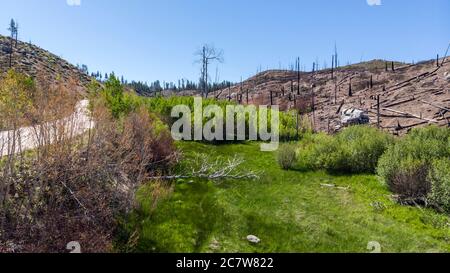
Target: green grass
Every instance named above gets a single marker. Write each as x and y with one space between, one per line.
289 211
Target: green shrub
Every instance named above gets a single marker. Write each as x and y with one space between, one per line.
313 151
354 150
439 178
286 156
360 147
406 165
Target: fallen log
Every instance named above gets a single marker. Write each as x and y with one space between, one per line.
409 114
389 115
410 80
435 105
400 102
414 125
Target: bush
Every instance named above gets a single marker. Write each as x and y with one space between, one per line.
354 150
286 156
405 167
409 181
313 150
439 179
75 187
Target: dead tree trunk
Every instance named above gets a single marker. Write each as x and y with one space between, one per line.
313 109
298 76
350 91
378 112
335 93
332 67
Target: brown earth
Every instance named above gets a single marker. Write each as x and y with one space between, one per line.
40 64
410 96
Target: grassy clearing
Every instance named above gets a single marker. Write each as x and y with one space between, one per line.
290 211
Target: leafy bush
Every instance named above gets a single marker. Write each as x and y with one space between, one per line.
439 179
121 103
313 150
406 165
286 156
355 150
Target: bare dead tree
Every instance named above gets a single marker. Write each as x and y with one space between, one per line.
298 76
336 62
378 112
332 67
206 56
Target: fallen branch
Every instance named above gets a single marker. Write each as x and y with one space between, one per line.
217 169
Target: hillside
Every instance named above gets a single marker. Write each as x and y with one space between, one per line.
410 96
38 63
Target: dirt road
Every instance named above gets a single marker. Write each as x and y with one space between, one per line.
28 138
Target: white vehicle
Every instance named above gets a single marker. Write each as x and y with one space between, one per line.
354 116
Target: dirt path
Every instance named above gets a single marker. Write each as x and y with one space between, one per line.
28 138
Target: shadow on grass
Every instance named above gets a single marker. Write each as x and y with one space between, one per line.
182 223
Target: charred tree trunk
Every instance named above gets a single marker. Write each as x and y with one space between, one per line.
313 110
378 112
332 67
335 94
298 76
350 91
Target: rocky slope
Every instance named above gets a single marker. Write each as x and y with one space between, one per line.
39 63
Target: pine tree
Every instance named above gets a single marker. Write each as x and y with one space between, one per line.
13 29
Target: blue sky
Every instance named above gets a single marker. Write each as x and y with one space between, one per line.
156 39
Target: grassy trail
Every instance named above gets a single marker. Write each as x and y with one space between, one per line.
290 211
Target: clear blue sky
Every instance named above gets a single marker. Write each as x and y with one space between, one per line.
155 39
